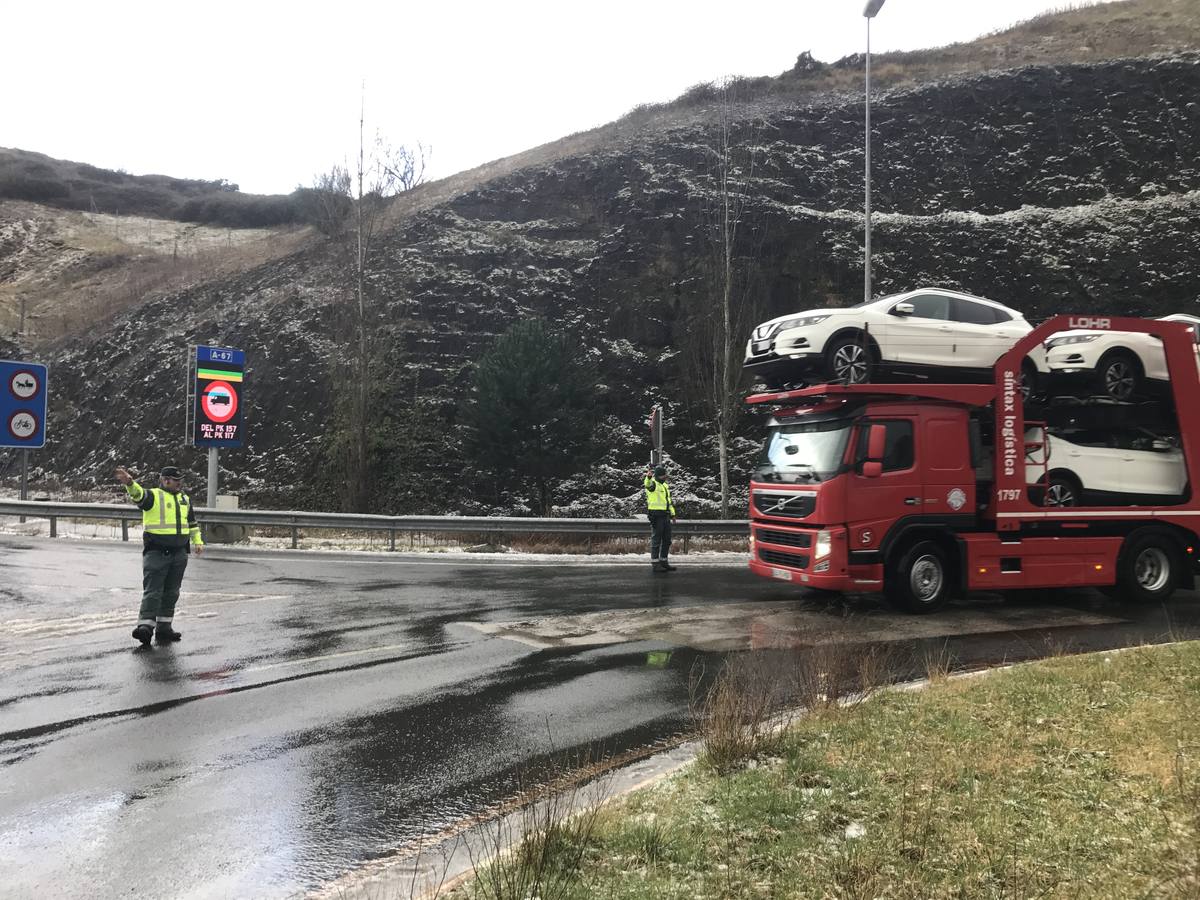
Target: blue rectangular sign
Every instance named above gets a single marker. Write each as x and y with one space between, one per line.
221 355
22 404
218 383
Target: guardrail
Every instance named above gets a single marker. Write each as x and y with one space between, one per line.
295 520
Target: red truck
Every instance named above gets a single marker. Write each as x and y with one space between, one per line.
922 491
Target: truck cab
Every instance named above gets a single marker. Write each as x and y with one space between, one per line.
838 482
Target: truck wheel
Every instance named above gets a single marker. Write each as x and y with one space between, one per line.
920 580
848 360
1062 490
1147 568
1120 376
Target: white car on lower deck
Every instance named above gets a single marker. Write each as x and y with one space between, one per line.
1104 466
1119 364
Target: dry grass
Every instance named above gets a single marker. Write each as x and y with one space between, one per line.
742 714
538 853
733 714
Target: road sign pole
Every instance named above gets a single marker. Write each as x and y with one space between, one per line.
212 477
656 436
24 477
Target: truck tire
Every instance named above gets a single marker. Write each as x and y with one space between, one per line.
1148 568
1119 376
919 582
848 360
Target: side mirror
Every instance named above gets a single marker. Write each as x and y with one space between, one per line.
872 467
902 309
876 442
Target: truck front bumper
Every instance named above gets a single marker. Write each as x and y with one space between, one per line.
811 557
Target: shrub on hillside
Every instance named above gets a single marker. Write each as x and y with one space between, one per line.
698 94
36 190
328 211
239 210
95 173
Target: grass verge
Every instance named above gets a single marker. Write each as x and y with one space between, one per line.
1078 776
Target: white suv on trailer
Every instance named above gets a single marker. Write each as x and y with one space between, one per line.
1121 364
926 333
1107 466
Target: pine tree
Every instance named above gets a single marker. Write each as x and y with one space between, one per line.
532 410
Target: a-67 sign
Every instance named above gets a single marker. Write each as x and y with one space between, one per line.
218 384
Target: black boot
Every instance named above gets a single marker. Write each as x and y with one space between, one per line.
164 634
143 633
667 567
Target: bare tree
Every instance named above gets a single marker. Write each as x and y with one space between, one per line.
728 304
379 176
331 201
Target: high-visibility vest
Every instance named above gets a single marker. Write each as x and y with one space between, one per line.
658 496
169 514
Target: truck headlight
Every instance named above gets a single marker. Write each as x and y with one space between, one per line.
824 544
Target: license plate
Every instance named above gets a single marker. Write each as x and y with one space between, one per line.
782 574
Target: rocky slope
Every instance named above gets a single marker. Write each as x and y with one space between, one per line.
1069 188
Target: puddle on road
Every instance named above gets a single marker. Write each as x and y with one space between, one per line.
772 625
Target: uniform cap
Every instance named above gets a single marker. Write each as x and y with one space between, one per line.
170 472
660 472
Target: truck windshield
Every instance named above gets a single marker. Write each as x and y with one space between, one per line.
809 451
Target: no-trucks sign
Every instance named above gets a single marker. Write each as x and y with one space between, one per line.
22 404
218 382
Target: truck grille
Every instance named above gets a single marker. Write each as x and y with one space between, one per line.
787 538
795 506
783 559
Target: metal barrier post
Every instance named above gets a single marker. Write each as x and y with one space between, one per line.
295 537
54 526
125 529
392 539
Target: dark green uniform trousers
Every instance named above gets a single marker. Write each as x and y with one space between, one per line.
162 574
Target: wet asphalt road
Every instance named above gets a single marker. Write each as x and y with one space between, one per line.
324 710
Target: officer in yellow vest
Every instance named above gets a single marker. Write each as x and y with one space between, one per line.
169 532
660 509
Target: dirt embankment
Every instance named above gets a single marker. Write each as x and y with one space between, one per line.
63 272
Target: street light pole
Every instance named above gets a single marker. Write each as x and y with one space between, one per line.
869 12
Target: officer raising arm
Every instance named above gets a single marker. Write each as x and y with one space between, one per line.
660 509
169 533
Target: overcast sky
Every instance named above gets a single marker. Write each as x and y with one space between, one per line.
266 94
